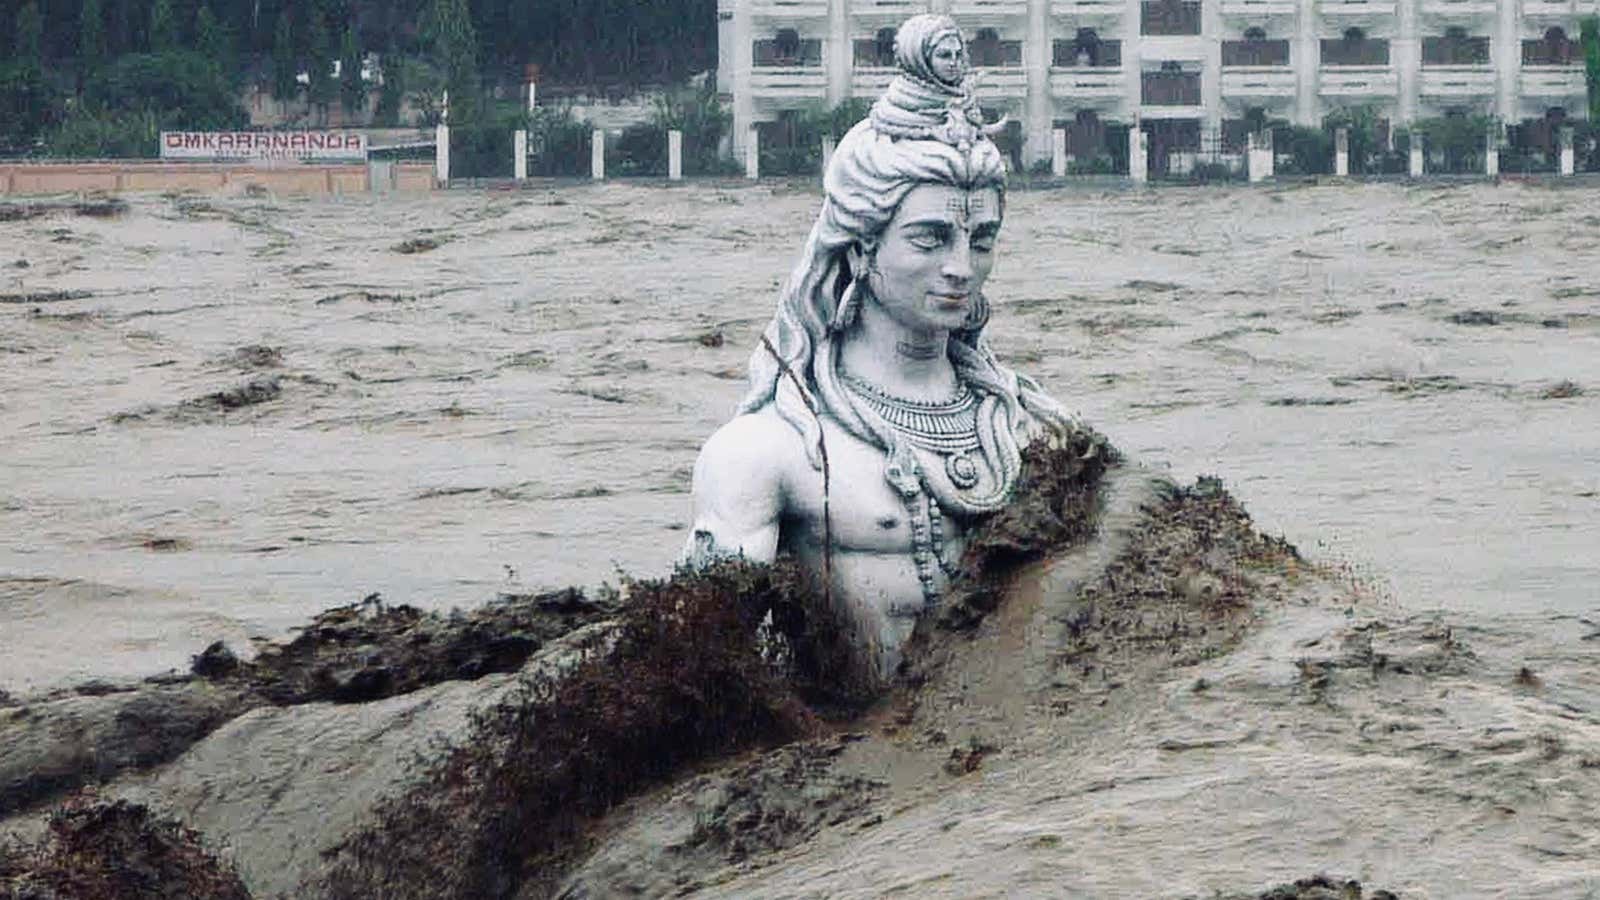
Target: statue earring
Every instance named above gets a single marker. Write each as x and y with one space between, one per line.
849 308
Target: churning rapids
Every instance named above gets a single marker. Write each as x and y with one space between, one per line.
219 417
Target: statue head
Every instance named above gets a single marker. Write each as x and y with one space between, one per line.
923 150
930 47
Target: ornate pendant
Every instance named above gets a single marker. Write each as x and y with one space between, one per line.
962 470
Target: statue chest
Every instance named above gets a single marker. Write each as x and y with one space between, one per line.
866 514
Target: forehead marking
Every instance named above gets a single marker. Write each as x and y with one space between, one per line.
964 205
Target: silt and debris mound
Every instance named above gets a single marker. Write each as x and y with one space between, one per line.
683 682
115 851
371 650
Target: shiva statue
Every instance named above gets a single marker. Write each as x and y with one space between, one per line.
879 425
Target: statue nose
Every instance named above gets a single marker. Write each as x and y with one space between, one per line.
958 267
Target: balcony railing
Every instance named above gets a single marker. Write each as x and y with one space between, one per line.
1255 53
1169 89
792 82
1252 9
1369 52
1073 55
903 9
1551 53
985 54
1458 8
1448 51
1552 81
976 9
1080 9
1008 83
778 54
1359 81
1162 18
1271 81
789 9
1346 8
1458 81
1560 9
1088 84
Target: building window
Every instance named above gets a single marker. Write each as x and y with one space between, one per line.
1556 49
1455 48
787 48
1354 48
1169 17
1171 86
1255 50
987 50
876 51
1086 51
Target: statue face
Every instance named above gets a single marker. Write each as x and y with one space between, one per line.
935 255
948 59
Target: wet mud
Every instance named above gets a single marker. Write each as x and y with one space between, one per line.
115 851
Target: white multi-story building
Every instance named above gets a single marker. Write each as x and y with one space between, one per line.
1176 68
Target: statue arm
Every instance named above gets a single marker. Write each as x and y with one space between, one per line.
739 492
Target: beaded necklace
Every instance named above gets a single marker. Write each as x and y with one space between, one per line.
948 428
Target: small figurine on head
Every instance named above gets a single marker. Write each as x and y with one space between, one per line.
935 94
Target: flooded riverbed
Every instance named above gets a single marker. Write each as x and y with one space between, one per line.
219 416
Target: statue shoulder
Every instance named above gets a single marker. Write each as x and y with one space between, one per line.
757 448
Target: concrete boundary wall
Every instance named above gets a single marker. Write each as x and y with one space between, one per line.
134 176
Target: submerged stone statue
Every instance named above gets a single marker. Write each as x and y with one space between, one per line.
879 425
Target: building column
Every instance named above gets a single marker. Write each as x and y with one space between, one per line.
743 62
1506 53
1211 66
1036 55
840 58
1307 59
1132 62
1405 56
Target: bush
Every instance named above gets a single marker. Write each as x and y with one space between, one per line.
88 133
1309 150
1211 172
1366 137
793 144
697 113
1094 165
185 91
1458 139
642 150
27 107
558 142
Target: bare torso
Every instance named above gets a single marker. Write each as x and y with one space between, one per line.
771 500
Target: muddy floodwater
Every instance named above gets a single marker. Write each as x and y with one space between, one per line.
220 416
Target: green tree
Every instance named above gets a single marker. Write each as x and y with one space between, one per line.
393 91
322 88
1589 36
453 43
352 92
91 36
284 70
213 41
29 43
163 28
185 91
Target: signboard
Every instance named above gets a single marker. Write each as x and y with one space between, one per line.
310 146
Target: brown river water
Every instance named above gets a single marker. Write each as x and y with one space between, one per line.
1401 379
